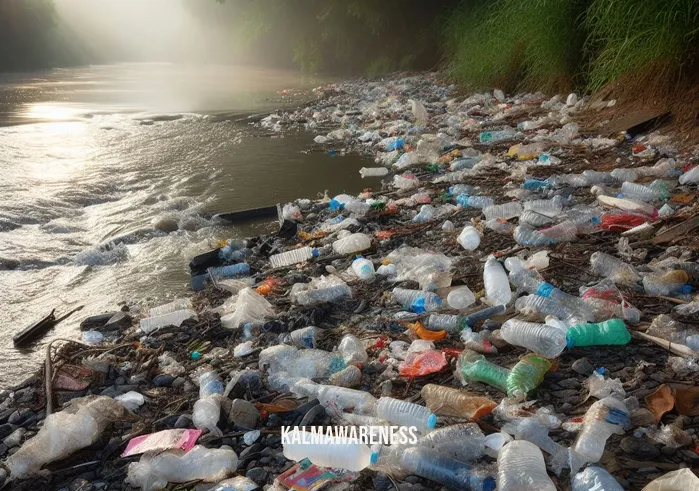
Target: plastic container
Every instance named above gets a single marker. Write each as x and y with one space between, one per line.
417 300
635 191
231 271
464 163
364 269
454 402
461 298
531 282
293 256
534 219
306 337
540 338
458 189
527 236
521 467
607 333
497 136
671 282
628 205
691 176
373 172
497 286
463 442
151 324
447 322
565 231
526 375
358 207
603 419
207 410
473 367
326 451
405 413
530 304
175 305
352 243
547 207
611 267
479 202
504 211
595 478
595 177
331 294
469 238
352 350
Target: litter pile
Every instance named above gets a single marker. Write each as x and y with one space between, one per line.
518 295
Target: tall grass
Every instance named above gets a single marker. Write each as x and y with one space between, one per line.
645 38
515 44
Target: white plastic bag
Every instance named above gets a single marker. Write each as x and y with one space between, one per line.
679 480
249 306
292 212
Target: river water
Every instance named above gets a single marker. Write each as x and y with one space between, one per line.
93 158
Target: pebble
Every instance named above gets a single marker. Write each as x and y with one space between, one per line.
252 449
184 421
3 476
668 451
163 380
15 439
582 366
18 417
311 415
570 383
639 448
642 417
81 485
243 414
120 320
178 382
565 394
690 454
258 474
6 429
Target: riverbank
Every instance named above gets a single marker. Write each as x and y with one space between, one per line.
439 151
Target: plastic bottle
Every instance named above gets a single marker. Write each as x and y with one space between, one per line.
671 282
364 269
432 465
604 418
352 243
621 175
613 268
207 409
542 339
302 338
447 322
150 324
358 207
563 232
293 256
175 305
691 176
326 451
231 271
373 172
530 304
607 333
521 467
536 432
237 483
479 202
458 189
464 163
497 136
628 205
597 479
417 300
155 470
469 238
531 282
460 298
342 398
229 255
548 207
595 177
534 218
352 350
637 191
505 211
497 286
427 213
448 226
463 442
405 413
527 236
473 367
454 402
332 294
526 375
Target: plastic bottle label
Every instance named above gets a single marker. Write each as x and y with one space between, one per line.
618 417
545 290
418 306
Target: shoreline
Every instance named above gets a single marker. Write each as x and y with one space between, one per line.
372 118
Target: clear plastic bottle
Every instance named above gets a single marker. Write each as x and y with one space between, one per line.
352 350
527 375
534 431
691 176
352 243
603 419
308 363
405 413
427 213
607 333
669 283
464 163
373 172
448 401
332 294
595 177
237 483
447 322
458 189
460 298
531 282
293 256
464 442
497 136
431 464
304 337
342 398
565 231
473 367
521 467
528 236
150 324
530 304
635 191
613 268
479 202
469 238
207 409
625 175
534 218
326 451
597 479
231 271
364 269
497 286
540 338
168 308
417 300
358 207
628 205
505 211
549 207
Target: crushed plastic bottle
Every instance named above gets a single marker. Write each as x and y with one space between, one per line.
473 367
461 298
326 451
531 282
635 191
521 466
373 172
479 202
293 256
364 269
542 339
497 286
669 283
469 238
175 305
207 409
613 268
607 333
548 207
526 375
151 324
454 402
352 350
496 136
504 211
417 300
603 419
463 442
595 478
352 243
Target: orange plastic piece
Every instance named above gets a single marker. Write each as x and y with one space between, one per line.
384 234
422 363
660 402
264 289
423 333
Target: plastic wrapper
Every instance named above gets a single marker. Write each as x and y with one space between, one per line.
163 440
431 270
248 306
599 387
292 212
679 480
422 363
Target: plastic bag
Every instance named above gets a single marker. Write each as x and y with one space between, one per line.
421 363
249 306
679 480
431 270
419 111
600 387
292 212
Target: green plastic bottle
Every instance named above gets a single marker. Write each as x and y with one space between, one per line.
527 375
473 367
611 332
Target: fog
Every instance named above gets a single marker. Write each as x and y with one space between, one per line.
152 30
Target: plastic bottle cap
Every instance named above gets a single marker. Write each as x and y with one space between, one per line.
686 288
570 342
432 421
196 355
374 458
489 484
315 253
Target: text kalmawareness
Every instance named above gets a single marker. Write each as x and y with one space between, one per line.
369 435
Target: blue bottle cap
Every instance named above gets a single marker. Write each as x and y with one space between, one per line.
601 371
570 342
374 458
489 483
315 253
686 289
196 355
432 421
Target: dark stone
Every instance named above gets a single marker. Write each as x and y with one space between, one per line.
3 451
163 380
81 485
19 416
255 448
251 381
568 394
570 383
6 430
265 460
274 420
639 448
243 414
120 320
312 415
382 482
183 421
26 395
258 474
412 479
582 366
668 451
690 455
566 407
178 382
